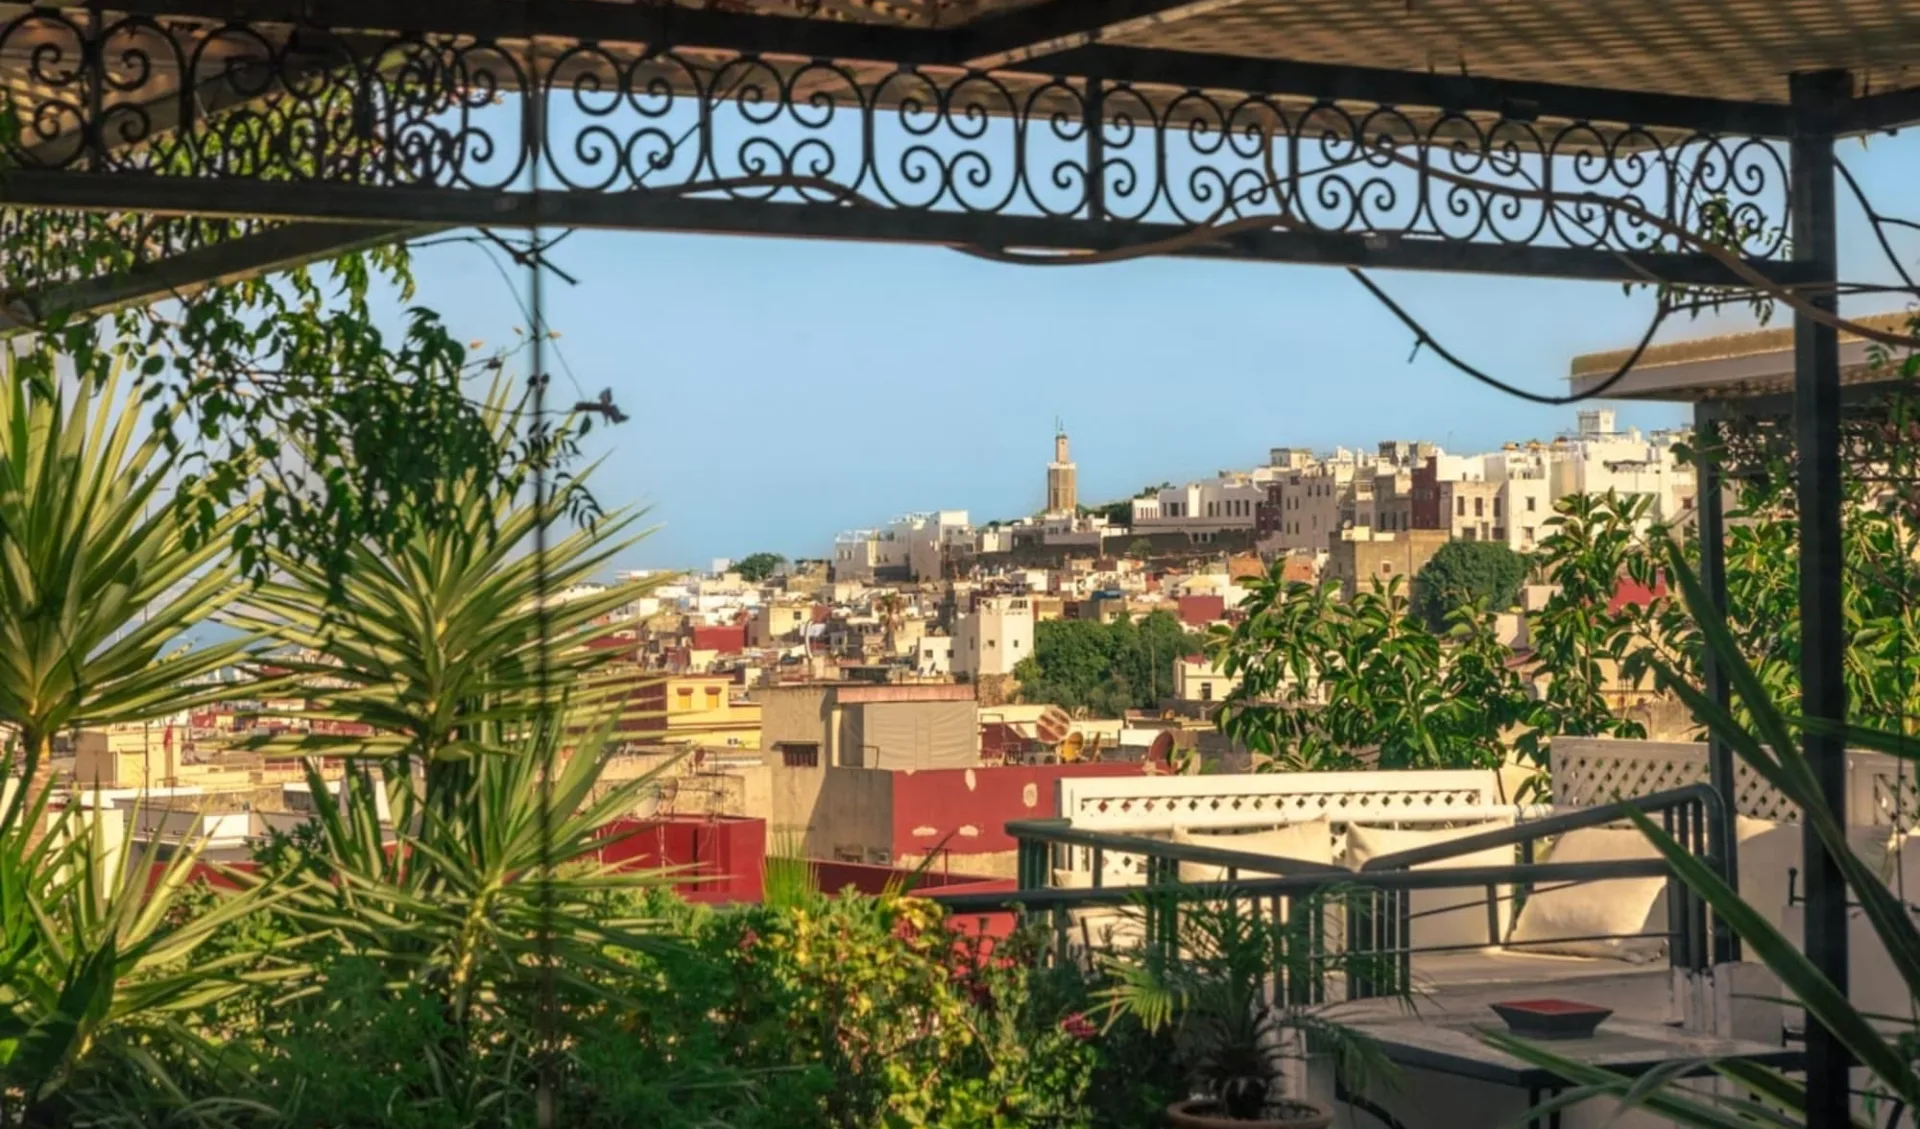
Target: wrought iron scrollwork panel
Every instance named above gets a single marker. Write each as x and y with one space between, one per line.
131 97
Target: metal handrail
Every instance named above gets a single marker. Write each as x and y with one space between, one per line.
1386 880
1556 824
1303 884
1058 832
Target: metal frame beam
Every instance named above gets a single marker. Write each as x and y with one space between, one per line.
1819 100
1721 845
917 46
187 273
1522 101
1061 25
1893 110
647 211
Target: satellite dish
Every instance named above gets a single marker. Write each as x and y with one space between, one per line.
1071 747
1053 726
1161 751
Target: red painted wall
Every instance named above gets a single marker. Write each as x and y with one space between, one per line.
728 640
1198 611
725 857
972 814
1424 503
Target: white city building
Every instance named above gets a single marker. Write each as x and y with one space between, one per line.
994 637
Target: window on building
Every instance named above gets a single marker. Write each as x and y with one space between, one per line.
800 754
1460 507
1496 507
992 643
1530 501
1386 568
1479 507
1206 691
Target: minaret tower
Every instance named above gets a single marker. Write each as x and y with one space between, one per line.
1062 496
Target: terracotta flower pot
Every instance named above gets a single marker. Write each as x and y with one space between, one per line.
1198 1113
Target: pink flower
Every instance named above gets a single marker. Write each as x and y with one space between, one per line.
1079 1026
748 940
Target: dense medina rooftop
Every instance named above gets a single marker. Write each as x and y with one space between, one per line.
466 880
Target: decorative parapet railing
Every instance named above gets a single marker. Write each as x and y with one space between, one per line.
1266 799
1156 805
1881 789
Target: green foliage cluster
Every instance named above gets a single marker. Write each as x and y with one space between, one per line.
1326 683
441 948
757 567
1880 564
1487 573
1105 668
1766 735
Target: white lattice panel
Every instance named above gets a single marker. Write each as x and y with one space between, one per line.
1592 770
1885 786
1155 805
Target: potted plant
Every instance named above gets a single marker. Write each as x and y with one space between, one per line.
1216 990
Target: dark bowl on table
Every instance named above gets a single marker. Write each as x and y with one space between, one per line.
1551 1019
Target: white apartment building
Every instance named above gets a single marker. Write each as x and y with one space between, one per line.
1598 459
1227 502
855 554
1525 499
994 637
913 547
934 656
932 539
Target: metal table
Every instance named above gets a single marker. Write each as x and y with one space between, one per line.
1625 1046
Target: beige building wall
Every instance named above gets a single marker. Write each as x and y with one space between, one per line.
852 819
1473 510
775 623
1310 504
1356 563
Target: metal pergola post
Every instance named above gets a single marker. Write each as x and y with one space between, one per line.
1816 100
1710 510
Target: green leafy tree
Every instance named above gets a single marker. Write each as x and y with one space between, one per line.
1765 736
1328 684
758 566
1468 572
1583 644
1105 668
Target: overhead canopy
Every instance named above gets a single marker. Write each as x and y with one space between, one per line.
1733 366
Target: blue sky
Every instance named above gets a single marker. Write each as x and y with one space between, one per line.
783 390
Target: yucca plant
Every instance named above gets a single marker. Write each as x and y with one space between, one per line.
495 912
447 647
1767 741
99 577
99 573
100 962
469 900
